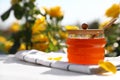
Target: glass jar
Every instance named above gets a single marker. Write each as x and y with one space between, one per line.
85 46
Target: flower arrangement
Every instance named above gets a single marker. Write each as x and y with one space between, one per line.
112 33
40 30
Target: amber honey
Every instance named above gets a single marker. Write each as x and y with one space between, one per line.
85 51
83 47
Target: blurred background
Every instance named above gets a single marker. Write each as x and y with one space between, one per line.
19 26
75 11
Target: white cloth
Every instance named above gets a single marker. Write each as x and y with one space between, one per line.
12 68
40 57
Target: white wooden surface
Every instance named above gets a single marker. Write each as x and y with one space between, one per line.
14 69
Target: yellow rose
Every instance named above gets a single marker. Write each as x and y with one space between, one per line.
40 42
22 46
8 45
55 11
113 11
40 20
38 28
71 27
2 39
39 38
101 26
40 46
15 27
63 34
40 25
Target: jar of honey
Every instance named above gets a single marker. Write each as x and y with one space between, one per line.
85 46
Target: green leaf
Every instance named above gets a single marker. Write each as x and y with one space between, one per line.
18 11
2 46
37 12
51 46
5 15
18 15
31 5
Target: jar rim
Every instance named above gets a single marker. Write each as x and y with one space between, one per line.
88 31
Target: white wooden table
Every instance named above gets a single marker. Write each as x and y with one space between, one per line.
14 69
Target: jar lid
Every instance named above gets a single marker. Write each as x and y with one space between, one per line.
86 33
